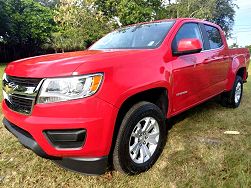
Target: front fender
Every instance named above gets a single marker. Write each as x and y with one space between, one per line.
136 90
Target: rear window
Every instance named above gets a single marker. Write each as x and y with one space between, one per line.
214 37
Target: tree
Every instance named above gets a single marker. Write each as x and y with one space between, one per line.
78 25
48 3
249 47
221 12
4 22
27 25
130 11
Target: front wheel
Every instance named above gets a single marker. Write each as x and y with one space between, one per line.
140 140
233 98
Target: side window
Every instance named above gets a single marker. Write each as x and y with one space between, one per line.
188 30
214 37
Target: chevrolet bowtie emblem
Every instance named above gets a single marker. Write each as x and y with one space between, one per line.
10 88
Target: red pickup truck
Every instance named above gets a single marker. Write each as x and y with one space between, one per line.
108 104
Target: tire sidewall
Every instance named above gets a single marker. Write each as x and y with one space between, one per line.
238 80
126 162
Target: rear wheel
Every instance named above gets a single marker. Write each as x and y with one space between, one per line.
140 140
233 98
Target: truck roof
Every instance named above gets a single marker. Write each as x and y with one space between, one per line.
178 20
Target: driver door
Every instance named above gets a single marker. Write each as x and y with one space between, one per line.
188 80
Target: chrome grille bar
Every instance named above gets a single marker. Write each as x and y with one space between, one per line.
20 93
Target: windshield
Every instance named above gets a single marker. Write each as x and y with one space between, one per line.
142 36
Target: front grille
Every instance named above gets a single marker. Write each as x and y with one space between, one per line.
21 105
27 82
20 93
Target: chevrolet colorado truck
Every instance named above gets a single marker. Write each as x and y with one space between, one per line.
107 106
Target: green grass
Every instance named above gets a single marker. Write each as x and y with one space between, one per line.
197 154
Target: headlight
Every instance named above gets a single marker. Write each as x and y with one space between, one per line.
64 89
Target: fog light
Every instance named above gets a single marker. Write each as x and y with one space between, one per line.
65 139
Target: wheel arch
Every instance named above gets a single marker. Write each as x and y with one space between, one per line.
157 96
242 72
237 67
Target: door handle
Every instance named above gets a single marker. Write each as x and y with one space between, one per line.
207 61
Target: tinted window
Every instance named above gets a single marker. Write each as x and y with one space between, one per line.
135 37
187 31
214 37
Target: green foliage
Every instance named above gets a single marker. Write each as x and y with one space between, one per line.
26 26
220 12
249 47
78 25
30 22
190 8
223 14
48 3
130 11
4 22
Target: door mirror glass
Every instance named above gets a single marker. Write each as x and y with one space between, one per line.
188 46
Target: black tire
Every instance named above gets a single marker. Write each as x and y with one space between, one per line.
122 160
228 98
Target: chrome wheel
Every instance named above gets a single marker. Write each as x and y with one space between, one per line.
144 140
238 91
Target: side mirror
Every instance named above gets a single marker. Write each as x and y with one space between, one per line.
188 46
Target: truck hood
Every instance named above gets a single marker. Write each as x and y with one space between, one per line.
63 64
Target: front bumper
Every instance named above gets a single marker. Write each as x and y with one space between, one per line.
83 165
92 114
25 139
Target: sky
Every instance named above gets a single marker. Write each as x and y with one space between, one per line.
242 24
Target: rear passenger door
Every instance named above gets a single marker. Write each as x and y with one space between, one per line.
216 64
